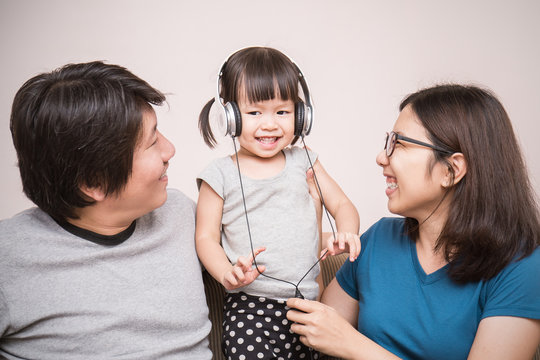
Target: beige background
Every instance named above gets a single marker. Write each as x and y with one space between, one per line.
360 59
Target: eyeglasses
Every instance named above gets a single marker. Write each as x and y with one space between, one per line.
392 138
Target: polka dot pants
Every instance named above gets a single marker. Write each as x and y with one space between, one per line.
257 328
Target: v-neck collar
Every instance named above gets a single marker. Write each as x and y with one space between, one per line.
426 279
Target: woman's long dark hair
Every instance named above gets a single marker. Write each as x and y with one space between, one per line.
262 73
493 217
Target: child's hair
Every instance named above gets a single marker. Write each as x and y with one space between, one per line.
262 73
78 126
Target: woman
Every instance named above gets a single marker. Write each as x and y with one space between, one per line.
457 276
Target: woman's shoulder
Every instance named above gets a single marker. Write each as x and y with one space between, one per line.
388 225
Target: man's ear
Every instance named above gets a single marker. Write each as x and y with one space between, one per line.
459 168
94 193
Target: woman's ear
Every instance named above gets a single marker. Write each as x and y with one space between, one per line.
458 166
94 193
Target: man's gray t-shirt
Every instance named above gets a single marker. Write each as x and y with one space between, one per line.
282 218
65 297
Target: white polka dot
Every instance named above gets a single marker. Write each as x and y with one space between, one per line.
240 324
272 341
227 342
240 340
233 318
234 305
251 305
233 350
250 317
276 350
261 299
227 328
260 355
243 297
285 322
278 313
258 339
242 357
241 311
266 347
249 331
260 312
302 355
267 319
298 347
250 348
258 325
232 333
287 346
282 336
266 332
275 327
270 306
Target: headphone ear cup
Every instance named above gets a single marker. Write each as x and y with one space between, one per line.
233 119
299 115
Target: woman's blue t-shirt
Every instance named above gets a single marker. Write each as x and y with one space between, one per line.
428 316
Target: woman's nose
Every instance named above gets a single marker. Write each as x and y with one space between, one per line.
381 158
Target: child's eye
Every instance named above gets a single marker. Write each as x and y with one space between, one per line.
283 112
254 113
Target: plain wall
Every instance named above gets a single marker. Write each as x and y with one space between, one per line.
360 59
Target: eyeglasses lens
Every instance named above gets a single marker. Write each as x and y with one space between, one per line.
390 143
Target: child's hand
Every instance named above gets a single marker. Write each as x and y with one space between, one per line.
344 242
242 273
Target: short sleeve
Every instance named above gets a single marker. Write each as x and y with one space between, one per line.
213 176
515 291
346 278
298 155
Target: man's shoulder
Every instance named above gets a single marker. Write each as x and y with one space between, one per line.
30 218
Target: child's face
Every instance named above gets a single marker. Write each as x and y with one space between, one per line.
267 126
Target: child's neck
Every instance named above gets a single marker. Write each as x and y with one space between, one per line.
257 167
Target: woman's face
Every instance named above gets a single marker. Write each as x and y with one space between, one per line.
414 180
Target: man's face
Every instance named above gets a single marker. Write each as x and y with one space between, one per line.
146 187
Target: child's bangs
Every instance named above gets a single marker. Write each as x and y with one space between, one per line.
270 83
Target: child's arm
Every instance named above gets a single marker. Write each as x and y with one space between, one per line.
342 210
209 250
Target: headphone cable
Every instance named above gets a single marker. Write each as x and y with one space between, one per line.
297 291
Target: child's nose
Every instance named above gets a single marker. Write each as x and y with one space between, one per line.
269 122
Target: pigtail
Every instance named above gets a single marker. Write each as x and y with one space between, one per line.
204 125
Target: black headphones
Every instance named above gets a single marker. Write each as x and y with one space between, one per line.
231 117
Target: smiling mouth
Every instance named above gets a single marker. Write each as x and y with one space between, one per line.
267 140
163 175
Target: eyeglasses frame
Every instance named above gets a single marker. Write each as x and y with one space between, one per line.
414 141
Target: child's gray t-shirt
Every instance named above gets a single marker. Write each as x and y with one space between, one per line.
282 218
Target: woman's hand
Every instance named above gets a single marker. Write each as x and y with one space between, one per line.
321 327
243 273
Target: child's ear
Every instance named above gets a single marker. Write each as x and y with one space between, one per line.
95 193
458 164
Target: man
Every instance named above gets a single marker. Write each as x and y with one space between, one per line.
105 266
